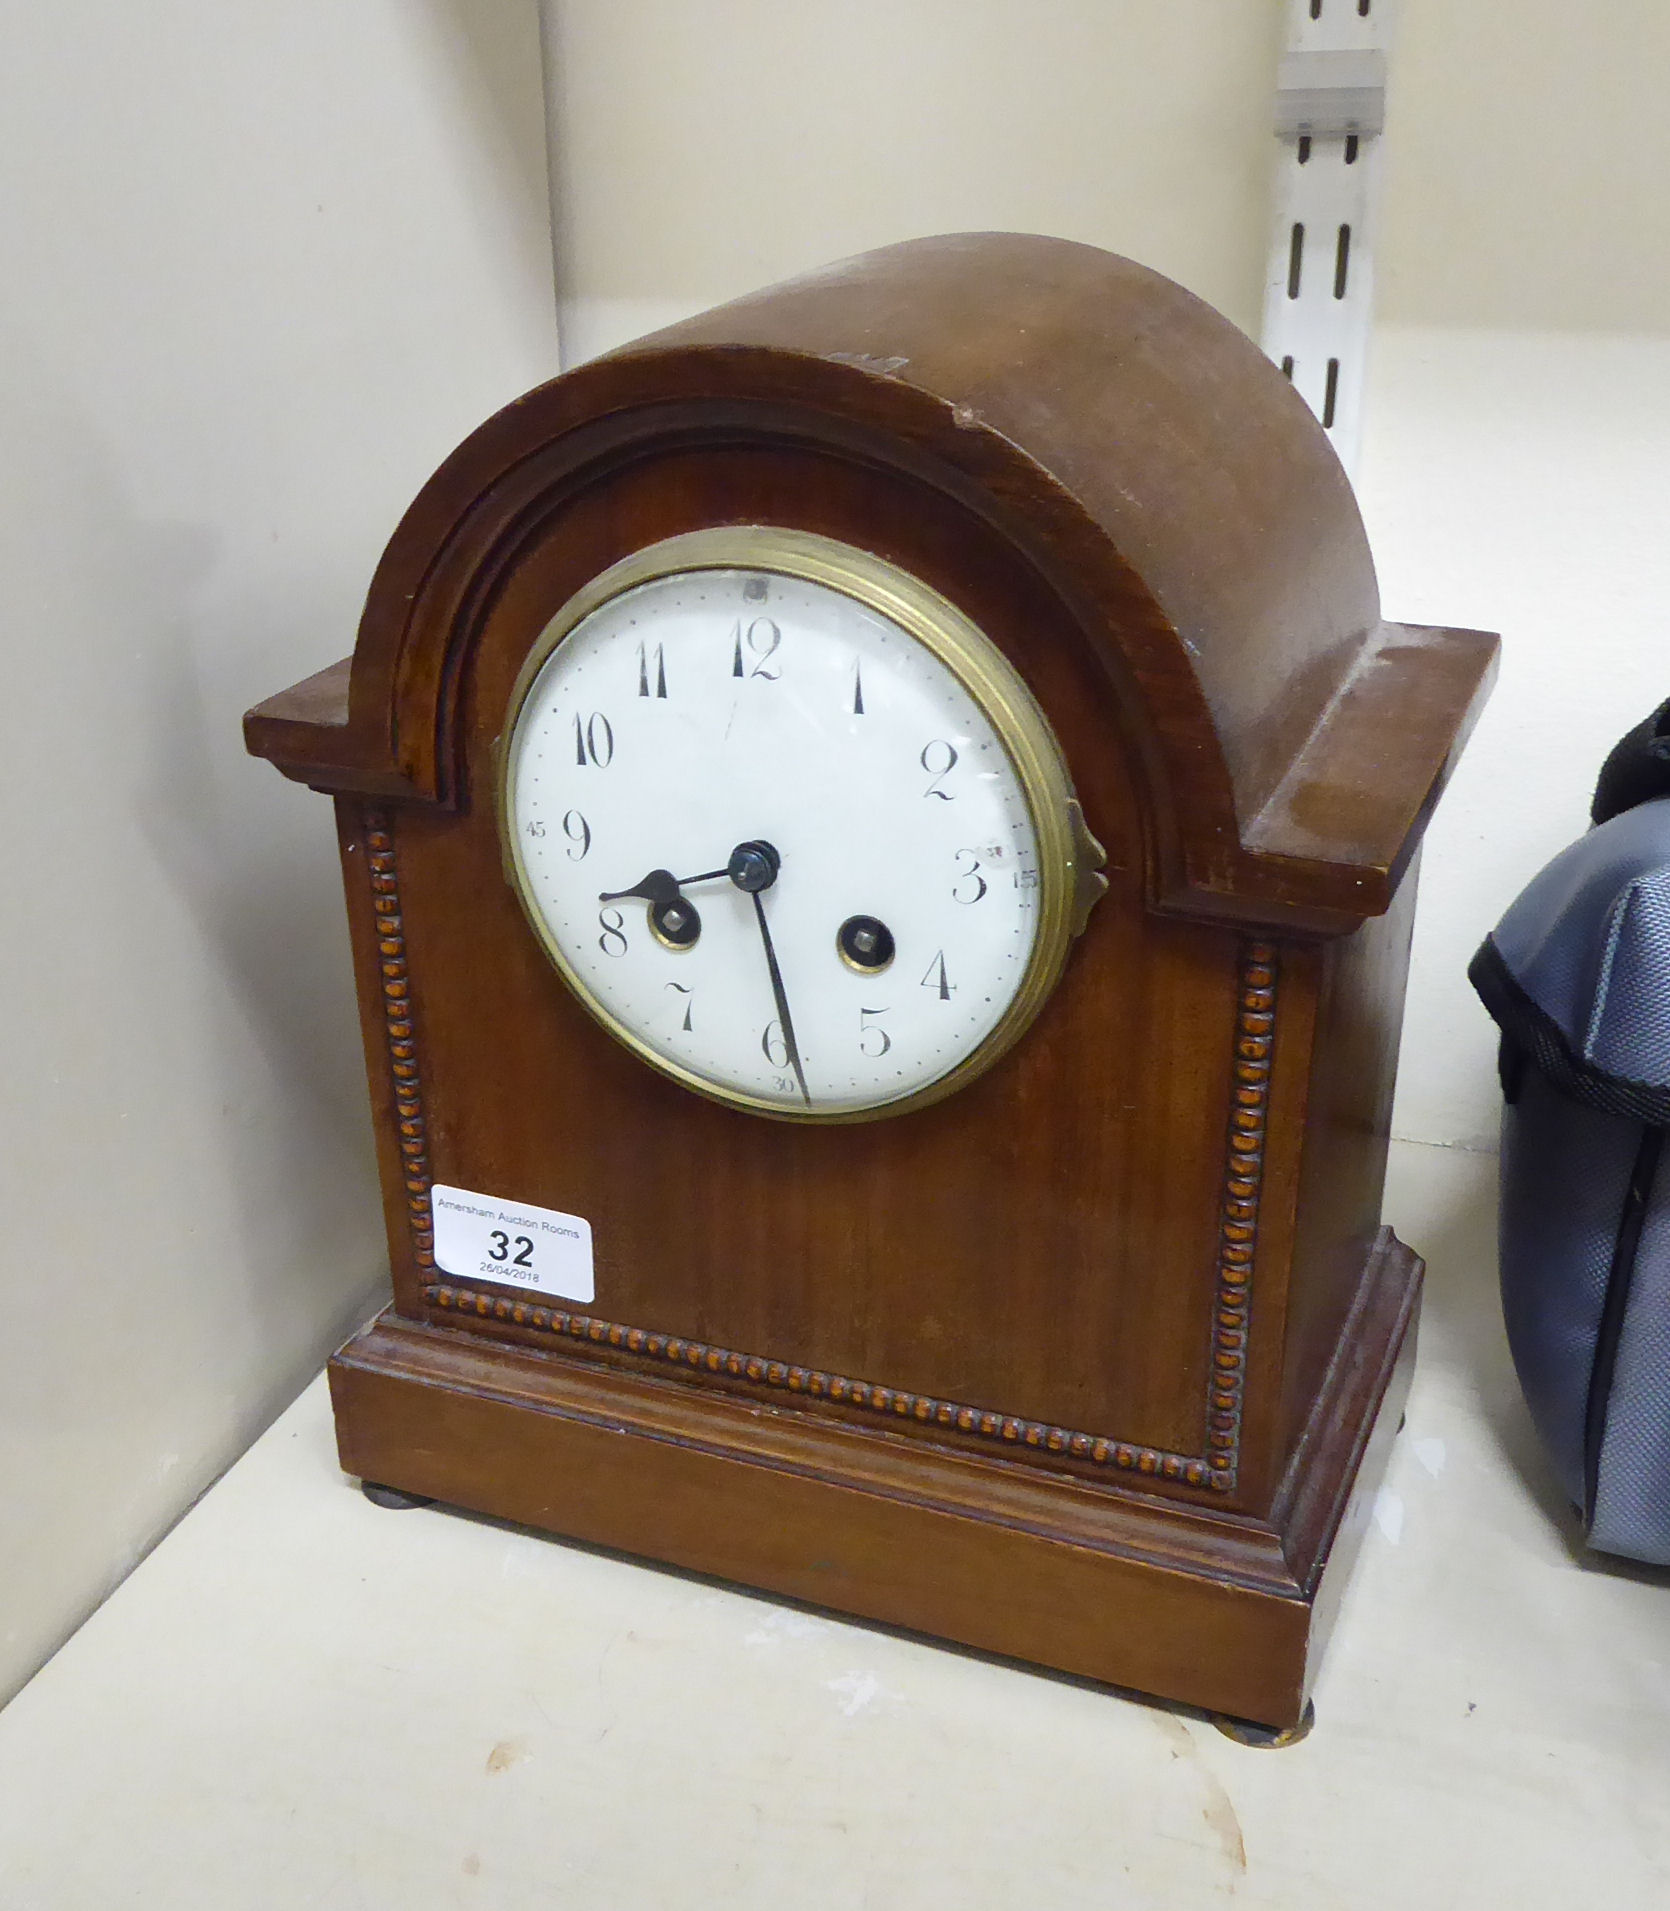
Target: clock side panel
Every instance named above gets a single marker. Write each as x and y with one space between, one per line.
377 930
1044 1247
1360 985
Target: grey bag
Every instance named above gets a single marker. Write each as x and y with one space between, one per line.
1577 977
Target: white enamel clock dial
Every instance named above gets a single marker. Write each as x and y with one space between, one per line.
788 825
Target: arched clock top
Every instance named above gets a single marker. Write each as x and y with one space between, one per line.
1128 443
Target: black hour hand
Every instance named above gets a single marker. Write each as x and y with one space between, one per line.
660 885
673 918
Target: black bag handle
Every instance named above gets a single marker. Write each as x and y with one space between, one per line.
1637 770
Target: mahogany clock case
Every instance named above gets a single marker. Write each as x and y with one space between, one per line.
1081 1363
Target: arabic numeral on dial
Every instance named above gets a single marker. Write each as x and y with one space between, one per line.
784 1084
939 759
613 939
1026 879
578 831
961 890
686 993
774 1045
868 1028
594 740
753 648
536 828
938 980
648 676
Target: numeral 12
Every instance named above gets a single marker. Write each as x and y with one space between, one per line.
761 639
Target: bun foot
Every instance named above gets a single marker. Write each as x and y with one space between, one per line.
1267 1738
392 1497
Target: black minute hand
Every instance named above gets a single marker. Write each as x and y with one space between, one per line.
781 1000
753 867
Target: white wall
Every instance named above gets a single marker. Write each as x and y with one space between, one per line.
263 267
704 148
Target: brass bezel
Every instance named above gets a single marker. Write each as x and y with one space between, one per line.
1065 851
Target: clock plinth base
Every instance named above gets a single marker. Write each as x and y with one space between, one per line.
1179 1599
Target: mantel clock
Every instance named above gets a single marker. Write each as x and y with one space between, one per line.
879 829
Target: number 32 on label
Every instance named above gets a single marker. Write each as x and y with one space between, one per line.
501 1254
484 1237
